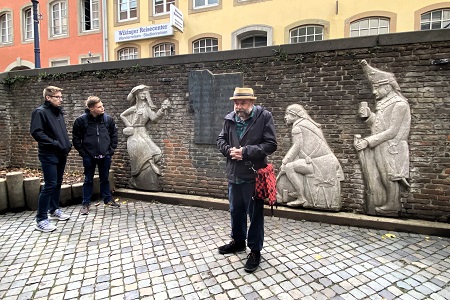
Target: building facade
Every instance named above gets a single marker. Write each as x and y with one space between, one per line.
215 25
70 32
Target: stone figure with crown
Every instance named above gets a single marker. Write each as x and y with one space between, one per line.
310 173
384 154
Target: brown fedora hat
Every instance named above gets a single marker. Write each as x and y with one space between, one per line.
243 93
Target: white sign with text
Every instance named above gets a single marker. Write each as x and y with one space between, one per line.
176 18
144 32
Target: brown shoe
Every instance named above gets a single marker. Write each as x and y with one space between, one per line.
84 210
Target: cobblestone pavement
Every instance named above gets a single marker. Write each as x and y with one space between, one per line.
149 250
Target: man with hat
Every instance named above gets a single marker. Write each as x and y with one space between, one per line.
247 138
387 147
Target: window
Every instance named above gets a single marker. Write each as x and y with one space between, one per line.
254 41
308 33
127 9
165 49
59 18
252 36
436 19
203 3
128 53
28 24
90 59
369 26
162 6
205 45
90 17
59 63
5 28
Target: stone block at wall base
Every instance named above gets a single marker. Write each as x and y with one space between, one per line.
65 195
96 190
112 185
31 188
3 196
77 192
16 195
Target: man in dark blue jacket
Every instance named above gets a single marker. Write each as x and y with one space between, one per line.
247 138
94 136
48 128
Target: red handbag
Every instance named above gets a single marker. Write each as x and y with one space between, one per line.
266 185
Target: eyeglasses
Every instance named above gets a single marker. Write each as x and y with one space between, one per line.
57 97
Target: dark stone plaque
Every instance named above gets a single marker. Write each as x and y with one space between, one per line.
209 96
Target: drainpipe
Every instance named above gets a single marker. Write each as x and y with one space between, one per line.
105 30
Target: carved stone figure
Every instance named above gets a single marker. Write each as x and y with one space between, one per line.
384 155
143 152
310 173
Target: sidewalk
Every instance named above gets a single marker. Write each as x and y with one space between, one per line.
150 250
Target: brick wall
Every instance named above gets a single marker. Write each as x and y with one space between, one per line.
325 77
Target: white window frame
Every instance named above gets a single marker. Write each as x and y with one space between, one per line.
370 28
443 20
126 7
59 62
163 49
90 59
248 31
165 4
28 24
92 14
128 53
207 3
198 48
59 22
6 28
305 36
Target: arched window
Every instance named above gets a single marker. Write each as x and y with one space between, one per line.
253 41
369 26
435 19
58 11
6 28
164 49
127 53
307 33
205 45
27 27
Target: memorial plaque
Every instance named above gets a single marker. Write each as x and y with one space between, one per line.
209 96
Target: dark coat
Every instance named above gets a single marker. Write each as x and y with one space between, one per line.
258 140
97 137
49 129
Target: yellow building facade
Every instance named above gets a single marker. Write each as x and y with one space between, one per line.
143 28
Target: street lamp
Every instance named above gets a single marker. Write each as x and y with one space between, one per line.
37 51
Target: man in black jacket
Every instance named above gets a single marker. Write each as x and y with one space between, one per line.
94 136
48 128
247 138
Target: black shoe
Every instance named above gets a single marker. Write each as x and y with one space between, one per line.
232 247
252 263
112 203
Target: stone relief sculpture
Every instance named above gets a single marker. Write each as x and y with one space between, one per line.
310 173
384 155
143 152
